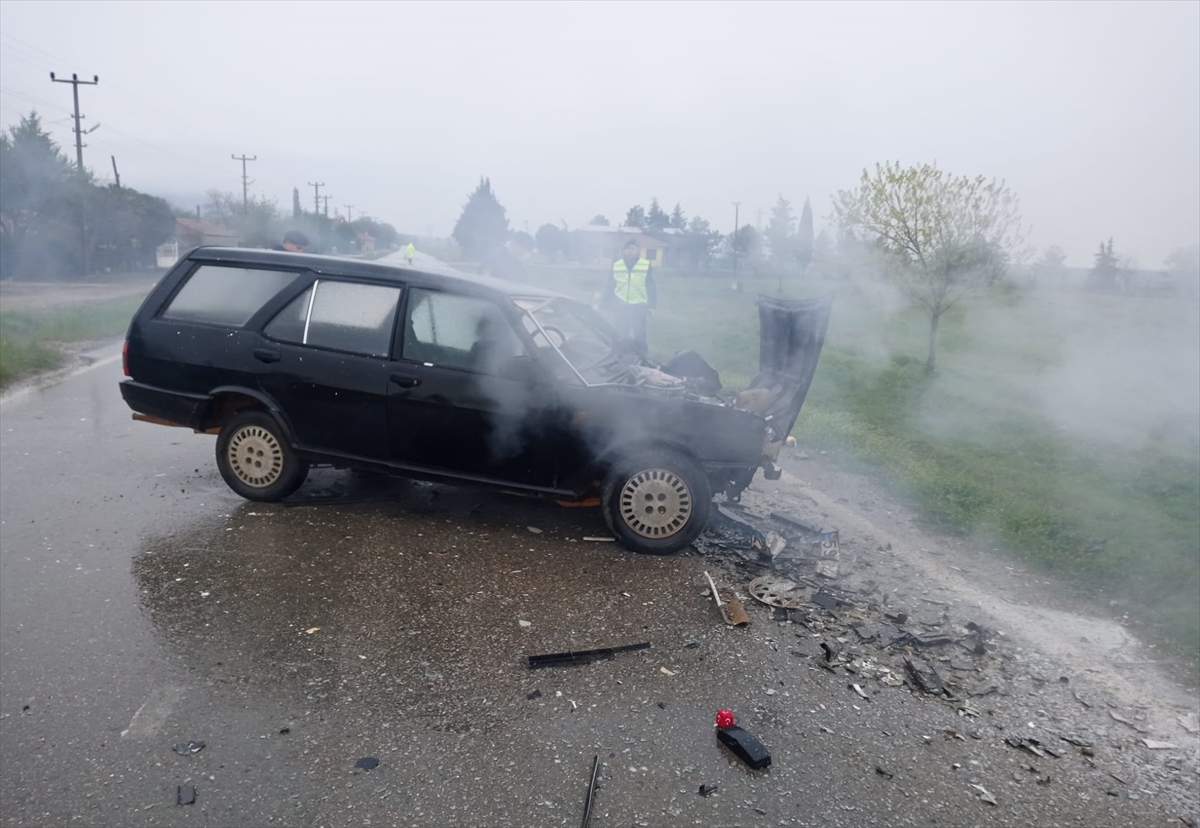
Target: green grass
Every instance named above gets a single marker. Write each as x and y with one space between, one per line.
979 448
30 340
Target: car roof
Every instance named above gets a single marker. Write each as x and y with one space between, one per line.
437 274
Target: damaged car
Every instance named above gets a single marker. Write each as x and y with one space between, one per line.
294 361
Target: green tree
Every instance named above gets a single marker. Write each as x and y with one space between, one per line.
551 240
1050 269
1106 270
598 221
635 216
483 225
804 238
942 236
656 219
1182 270
297 210
678 219
779 231
38 226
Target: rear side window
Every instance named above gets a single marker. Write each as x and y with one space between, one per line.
226 295
456 331
345 316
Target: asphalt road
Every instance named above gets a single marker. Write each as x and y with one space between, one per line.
142 604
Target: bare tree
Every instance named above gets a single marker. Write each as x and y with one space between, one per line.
942 236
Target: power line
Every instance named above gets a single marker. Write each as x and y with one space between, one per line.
316 196
75 83
326 198
245 180
349 212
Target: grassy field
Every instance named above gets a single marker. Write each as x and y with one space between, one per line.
31 341
1060 426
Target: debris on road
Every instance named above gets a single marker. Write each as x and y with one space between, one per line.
885 774
534 530
706 789
1117 717
725 718
775 592
1189 722
712 589
185 795
367 763
857 689
583 656
795 521
1152 744
745 746
189 748
591 791
311 630
666 672
600 540
985 795
525 623
1030 745
733 611
536 694
926 678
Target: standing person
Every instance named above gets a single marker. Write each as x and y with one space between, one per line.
410 252
508 262
293 241
633 294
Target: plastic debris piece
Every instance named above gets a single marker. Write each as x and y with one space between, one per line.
525 623
311 630
885 774
601 540
1153 744
536 694
185 795
745 746
926 678
827 569
985 795
725 718
705 790
857 689
775 592
188 748
534 530
1189 722
1031 745
582 656
665 671
591 792
367 763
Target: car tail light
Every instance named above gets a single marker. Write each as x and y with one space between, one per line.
125 358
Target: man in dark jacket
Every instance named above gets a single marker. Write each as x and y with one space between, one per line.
293 241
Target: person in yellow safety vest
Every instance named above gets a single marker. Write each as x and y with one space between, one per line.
410 252
633 294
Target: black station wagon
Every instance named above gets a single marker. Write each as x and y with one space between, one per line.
295 360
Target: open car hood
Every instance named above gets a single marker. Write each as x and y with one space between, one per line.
791 335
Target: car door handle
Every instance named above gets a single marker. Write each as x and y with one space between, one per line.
263 355
406 380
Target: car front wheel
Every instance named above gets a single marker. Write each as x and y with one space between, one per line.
657 501
255 459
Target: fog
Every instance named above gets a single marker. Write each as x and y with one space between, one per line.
1088 110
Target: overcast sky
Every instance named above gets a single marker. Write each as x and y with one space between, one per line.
1090 111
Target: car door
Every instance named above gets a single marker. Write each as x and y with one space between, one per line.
326 362
465 396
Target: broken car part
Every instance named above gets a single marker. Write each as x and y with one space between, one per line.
367 763
705 790
775 591
745 746
583 656
185 794
591 792
188 748
733 611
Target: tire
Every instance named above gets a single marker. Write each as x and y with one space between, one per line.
255 458
656 502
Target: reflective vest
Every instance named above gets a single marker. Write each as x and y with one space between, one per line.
630 285
408 253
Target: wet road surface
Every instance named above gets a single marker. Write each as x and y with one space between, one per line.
142 604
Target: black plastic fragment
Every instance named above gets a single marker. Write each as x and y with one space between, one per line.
745 746
185 794
583 656
536 694
367 763
825 600
705 790
591 792
188 748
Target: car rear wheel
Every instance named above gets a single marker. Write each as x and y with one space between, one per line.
255 459
657 501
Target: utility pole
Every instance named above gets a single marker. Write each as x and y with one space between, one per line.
349 212
736 206
246 182
316 196
75 81
116 174
326 198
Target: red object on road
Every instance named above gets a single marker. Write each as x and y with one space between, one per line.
725 718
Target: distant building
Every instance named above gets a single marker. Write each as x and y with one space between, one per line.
194 232
603 245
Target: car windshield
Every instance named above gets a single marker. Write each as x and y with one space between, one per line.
577 333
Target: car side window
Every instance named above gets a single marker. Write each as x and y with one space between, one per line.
222 295
456 331
345 316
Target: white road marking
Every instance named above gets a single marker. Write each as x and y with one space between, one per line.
153 713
